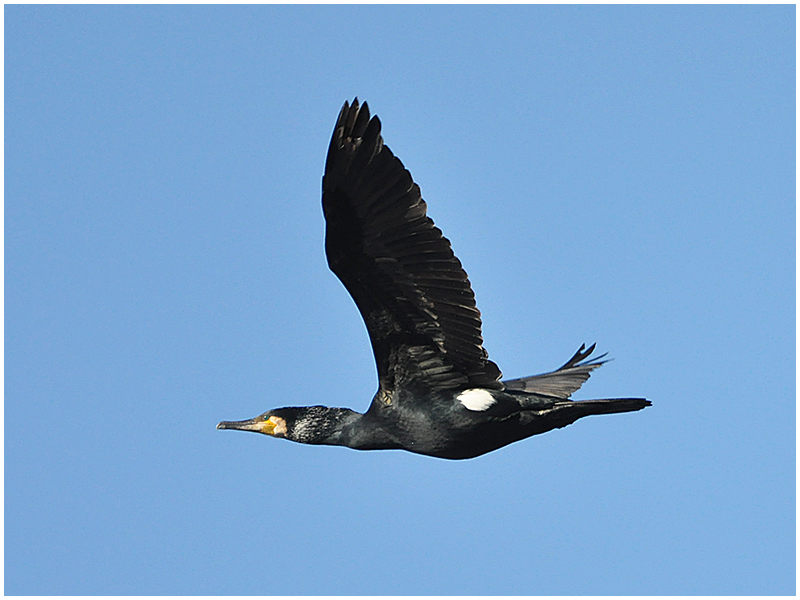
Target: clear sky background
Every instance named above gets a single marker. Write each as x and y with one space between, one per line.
619 175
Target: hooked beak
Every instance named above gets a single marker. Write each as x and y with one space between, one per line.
272 426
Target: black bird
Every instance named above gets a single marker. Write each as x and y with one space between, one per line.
438 394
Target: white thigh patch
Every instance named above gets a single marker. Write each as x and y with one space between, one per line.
476 399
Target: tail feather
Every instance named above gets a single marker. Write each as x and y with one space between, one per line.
567 412
604 407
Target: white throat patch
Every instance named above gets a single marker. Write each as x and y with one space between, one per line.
476 399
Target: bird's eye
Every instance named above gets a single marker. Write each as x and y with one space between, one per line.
266 417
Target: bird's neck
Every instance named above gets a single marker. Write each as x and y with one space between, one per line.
338 427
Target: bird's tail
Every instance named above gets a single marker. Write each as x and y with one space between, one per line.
566 412
603 407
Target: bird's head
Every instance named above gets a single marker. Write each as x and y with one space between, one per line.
273 422
305 424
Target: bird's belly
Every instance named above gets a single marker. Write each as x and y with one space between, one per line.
462 440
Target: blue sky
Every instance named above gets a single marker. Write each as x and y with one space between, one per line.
619 175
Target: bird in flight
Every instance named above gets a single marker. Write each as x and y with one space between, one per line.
438 393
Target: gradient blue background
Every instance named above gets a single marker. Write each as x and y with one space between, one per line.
624 175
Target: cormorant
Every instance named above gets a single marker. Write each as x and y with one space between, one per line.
438 394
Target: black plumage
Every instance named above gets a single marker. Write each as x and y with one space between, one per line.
439 394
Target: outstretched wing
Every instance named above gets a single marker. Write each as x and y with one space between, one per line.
408 285
564 381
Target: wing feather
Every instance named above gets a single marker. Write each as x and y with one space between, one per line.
411 290
564 381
